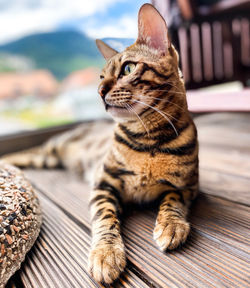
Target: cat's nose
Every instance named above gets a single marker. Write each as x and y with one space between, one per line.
103 89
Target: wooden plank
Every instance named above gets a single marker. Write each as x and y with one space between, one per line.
59 257
223 175
217 49
207 51
184 50
196 52
245 42
225 155
218 160
229 186
216 255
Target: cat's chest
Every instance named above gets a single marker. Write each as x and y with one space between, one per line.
148 175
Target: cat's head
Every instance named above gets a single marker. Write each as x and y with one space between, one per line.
134 78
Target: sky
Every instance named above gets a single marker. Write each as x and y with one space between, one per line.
96 18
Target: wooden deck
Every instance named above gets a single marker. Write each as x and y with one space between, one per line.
216 253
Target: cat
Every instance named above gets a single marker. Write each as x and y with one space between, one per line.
150 151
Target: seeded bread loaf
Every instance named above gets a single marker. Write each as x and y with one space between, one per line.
20 219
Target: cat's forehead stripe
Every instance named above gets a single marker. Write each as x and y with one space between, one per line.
112 68
113 65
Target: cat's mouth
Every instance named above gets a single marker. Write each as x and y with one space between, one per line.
120 111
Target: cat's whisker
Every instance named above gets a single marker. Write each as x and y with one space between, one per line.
169 115
164 112
165 90
162 99
160 112
130 108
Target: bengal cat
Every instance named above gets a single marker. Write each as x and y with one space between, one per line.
150 152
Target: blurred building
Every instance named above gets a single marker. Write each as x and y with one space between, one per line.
81 78
78 95
40 83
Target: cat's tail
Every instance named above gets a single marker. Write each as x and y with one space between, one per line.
36 157
70 149
51 154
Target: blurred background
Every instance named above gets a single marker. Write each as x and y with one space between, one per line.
49 63
50 66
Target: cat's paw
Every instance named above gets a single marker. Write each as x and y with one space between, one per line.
106 262
172 233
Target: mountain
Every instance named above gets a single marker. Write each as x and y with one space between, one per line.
61 52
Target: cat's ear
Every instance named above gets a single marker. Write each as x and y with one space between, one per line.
152 29
105 49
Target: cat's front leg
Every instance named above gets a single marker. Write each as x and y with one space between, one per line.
107 256
171 228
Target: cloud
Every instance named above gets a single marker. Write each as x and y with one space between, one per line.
125 27
75 7
22 17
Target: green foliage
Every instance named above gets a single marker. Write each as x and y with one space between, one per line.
4 69
38 118
5 65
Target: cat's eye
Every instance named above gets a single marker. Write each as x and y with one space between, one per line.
128 68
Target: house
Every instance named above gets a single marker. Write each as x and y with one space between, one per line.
39 83
81 78
78 95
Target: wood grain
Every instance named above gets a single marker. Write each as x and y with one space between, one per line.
216 254
59 257
225 155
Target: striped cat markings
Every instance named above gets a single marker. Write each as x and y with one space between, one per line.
149 153
154 153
